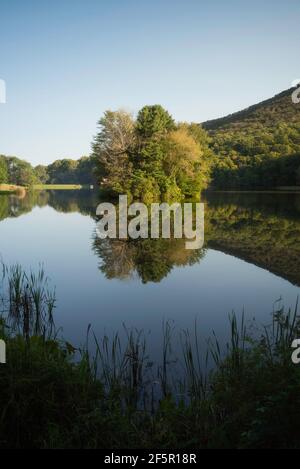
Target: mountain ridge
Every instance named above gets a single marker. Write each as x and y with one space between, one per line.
258 146
282 98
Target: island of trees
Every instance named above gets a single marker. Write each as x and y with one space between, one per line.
151 158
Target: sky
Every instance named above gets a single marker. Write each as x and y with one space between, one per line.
67 61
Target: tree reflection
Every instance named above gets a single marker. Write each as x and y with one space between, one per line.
149 259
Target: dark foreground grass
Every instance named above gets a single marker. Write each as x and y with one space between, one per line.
119 399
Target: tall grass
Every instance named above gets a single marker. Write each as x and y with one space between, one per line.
185 375
118 397
27 301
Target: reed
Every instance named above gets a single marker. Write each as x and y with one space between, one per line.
28 301
119 398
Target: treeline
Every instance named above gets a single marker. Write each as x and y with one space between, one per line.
66 171
153 158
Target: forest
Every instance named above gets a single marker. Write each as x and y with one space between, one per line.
152 157
257 147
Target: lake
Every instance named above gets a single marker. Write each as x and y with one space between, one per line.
250 259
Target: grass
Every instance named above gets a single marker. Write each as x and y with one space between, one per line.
56 187
119 398
10 188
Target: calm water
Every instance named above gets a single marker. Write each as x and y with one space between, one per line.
250 259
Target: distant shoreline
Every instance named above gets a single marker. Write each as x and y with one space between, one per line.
11 188
41 187
276 190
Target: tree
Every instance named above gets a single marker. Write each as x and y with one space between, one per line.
3 170
63 172
151 158
181 153
41 173
112 148
20 172
85 173
185 161
153 121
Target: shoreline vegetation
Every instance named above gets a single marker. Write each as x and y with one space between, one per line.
56 396
153 157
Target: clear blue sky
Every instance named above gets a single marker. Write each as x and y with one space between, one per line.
67 61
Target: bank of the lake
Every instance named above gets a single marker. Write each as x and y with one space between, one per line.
58 187
11 189
119 400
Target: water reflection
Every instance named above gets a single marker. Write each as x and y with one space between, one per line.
150 259
263 229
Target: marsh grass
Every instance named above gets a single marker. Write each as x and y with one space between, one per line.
119 398
27 301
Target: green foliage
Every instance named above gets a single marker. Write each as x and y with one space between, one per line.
154 120
258 147
85 172
151 158
62 171
144 188
20 172
41 173
3 170
68 171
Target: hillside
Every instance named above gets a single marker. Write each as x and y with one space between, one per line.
258 146
278 108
